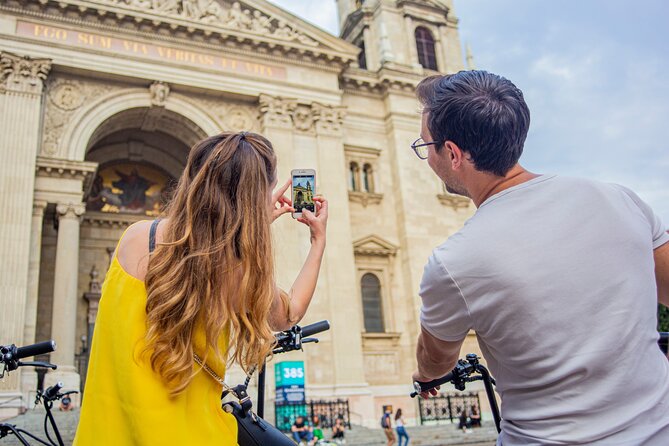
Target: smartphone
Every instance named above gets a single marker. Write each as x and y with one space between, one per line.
303 190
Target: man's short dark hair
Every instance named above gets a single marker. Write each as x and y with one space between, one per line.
483 113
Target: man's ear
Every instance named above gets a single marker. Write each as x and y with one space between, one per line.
454 153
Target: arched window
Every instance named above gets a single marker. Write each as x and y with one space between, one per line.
367 179
371 303
425 46
353 170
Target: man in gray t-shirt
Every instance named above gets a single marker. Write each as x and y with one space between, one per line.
559 278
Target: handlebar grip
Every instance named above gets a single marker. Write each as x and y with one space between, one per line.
317 327
664 342
40 348
51 392
421 387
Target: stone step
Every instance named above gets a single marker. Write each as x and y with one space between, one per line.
445 434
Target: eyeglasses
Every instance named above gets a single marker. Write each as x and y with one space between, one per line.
420 147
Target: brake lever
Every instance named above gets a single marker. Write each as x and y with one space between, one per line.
46 365
308 340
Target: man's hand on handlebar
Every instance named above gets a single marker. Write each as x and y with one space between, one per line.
420 378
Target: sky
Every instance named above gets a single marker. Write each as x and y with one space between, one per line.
595 75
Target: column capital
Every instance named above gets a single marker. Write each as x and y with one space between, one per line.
72 211
276 111
22 74
329 118
38 207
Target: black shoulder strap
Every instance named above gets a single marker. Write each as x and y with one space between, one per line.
152 235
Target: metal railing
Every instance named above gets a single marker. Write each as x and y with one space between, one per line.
326 411
446 406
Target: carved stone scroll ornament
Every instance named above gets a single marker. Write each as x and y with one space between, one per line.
225 14
159 92
22 74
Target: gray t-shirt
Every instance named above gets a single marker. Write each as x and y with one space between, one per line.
556 276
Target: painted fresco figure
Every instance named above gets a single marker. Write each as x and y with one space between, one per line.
134 187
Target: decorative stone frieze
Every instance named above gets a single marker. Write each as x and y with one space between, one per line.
22 74
159 92
231 115
231 15
65 96
301 116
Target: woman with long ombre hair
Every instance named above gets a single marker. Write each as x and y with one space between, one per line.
196 286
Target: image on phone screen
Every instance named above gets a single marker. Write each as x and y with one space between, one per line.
303 193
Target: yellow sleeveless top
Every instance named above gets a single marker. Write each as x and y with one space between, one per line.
125 402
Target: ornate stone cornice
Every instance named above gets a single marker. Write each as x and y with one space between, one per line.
243 29
59 168
454 201
22 74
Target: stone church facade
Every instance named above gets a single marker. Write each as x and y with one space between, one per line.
100 101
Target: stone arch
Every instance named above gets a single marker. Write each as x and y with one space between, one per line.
87 120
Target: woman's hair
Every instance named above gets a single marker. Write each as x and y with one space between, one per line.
398 414
214 265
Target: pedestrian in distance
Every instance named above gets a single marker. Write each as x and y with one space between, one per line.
387 426
399 427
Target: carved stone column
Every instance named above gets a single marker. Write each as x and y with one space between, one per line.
65 296
28 374
21 87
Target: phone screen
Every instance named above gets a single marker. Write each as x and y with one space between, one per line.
303 193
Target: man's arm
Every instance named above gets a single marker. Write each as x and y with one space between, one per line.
435 357
661 255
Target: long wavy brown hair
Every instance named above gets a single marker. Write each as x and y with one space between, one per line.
214 265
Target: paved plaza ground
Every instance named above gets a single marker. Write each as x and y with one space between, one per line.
443 435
